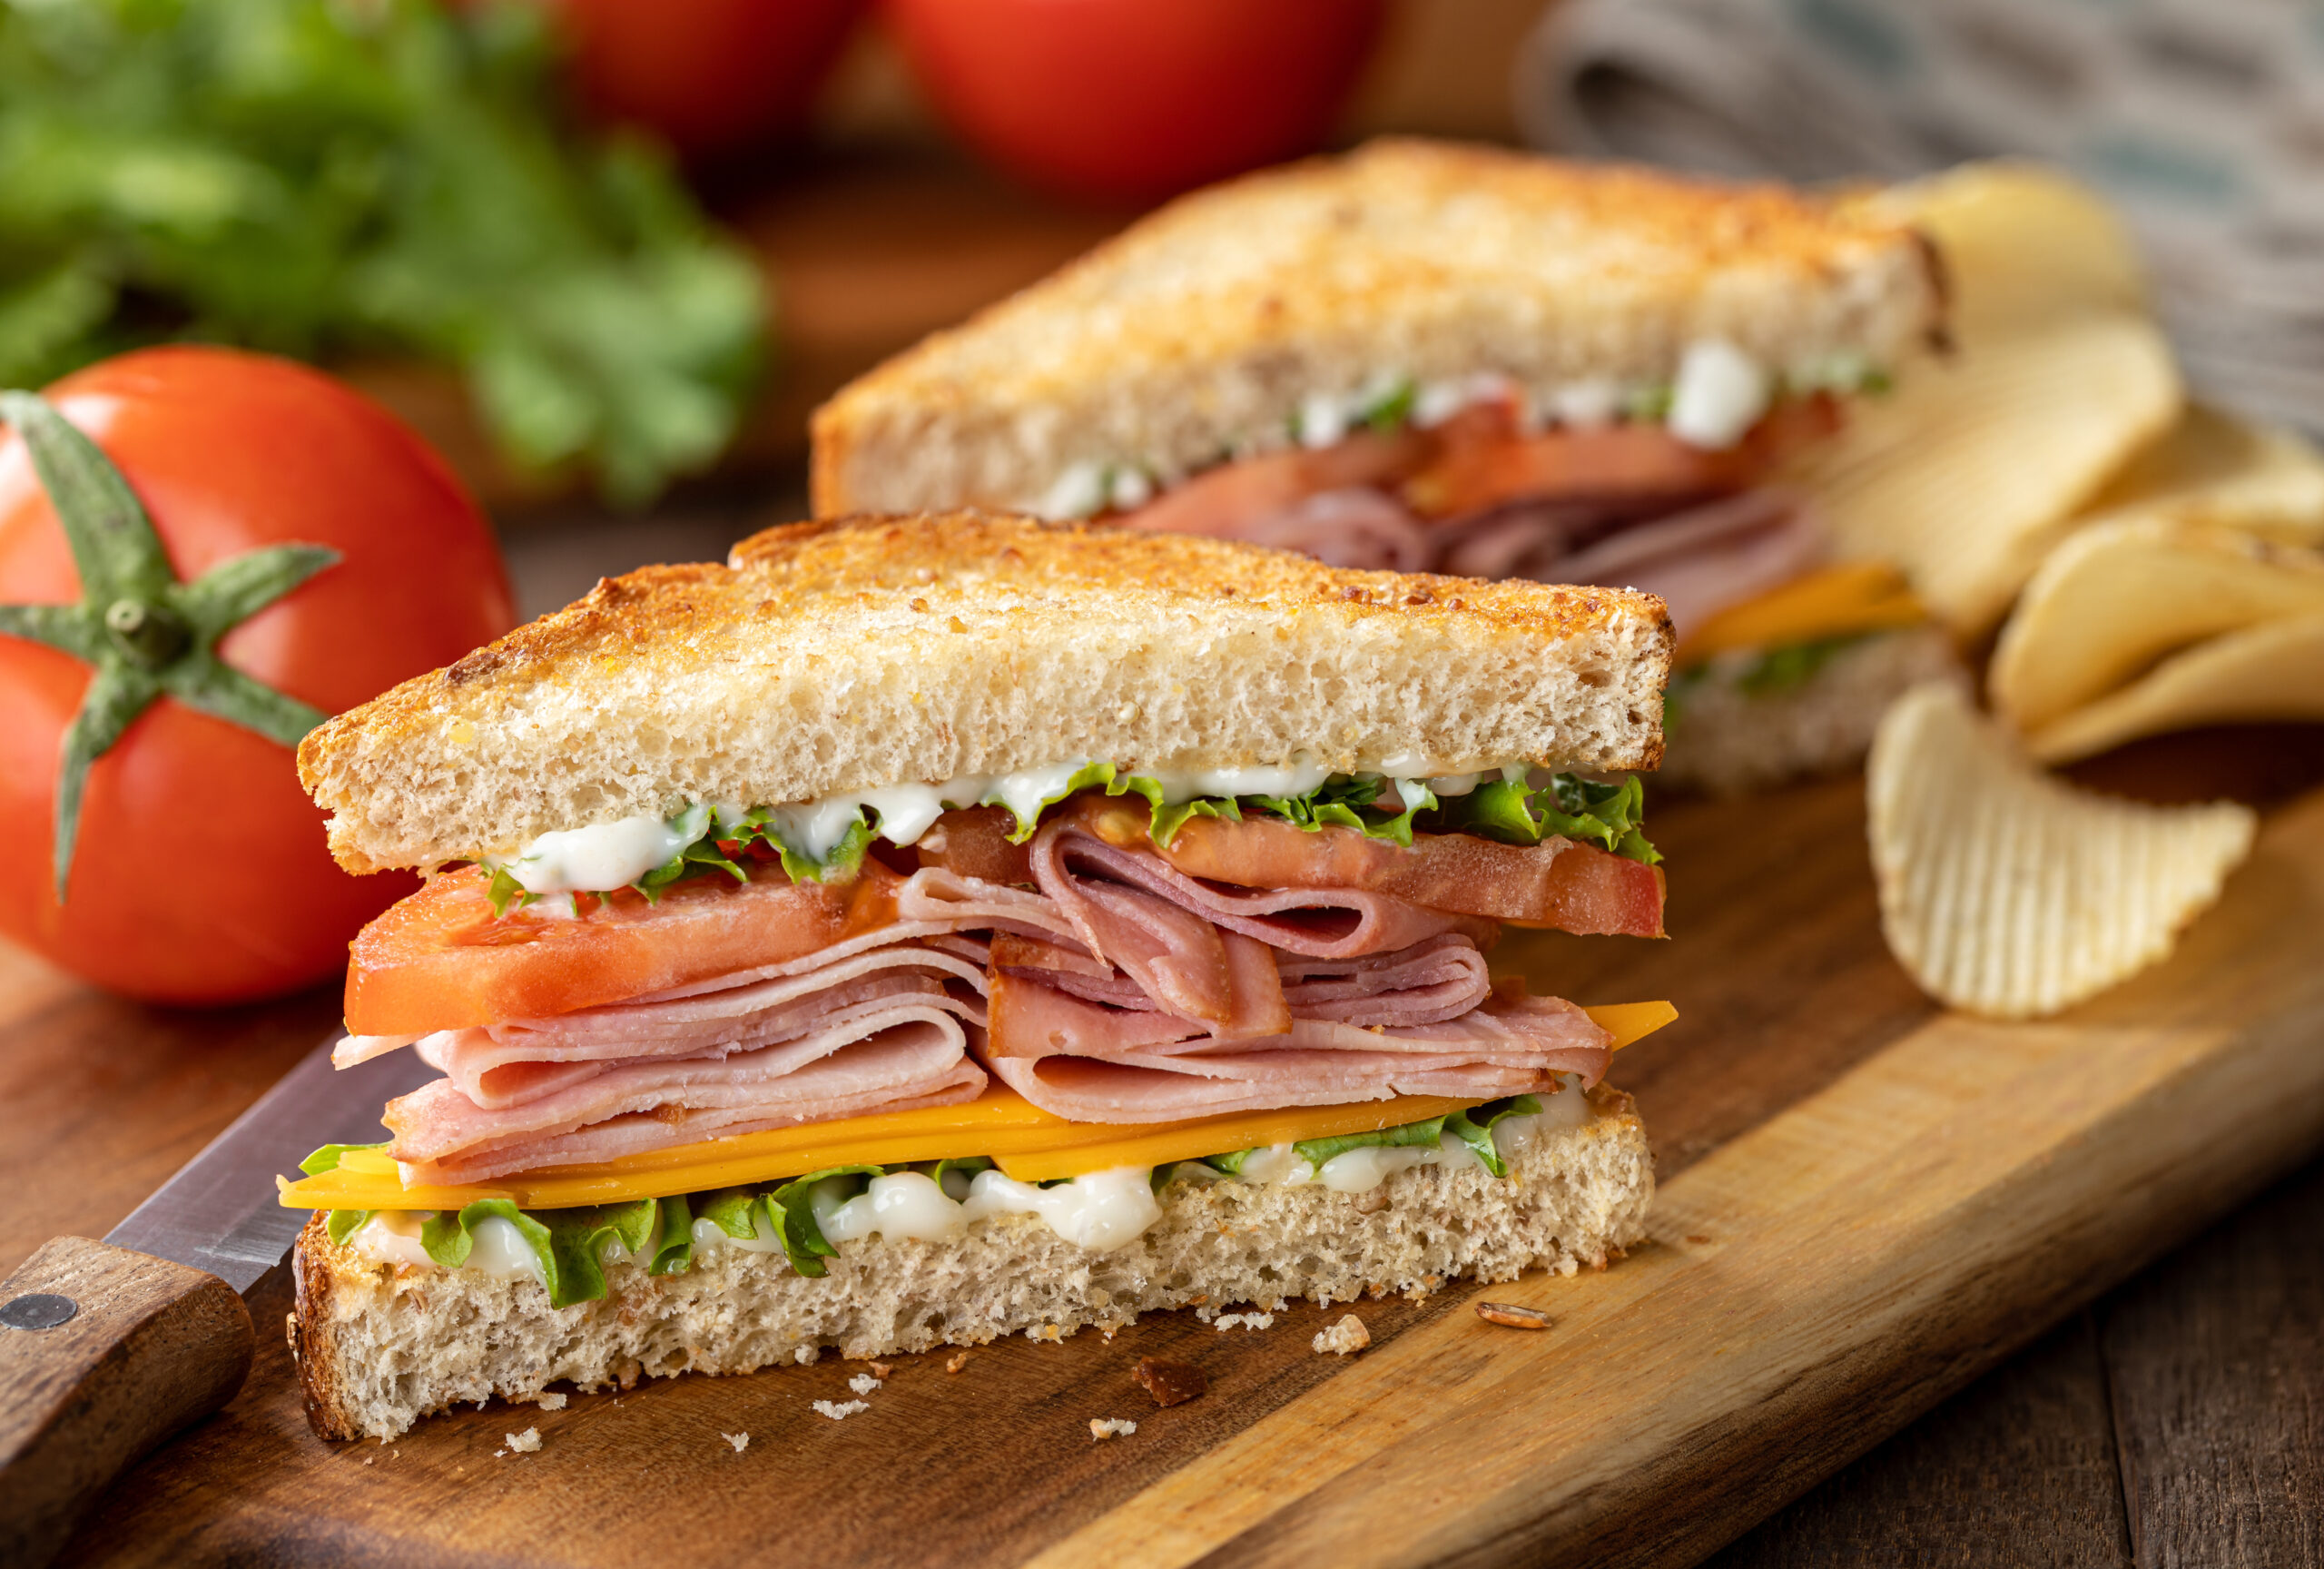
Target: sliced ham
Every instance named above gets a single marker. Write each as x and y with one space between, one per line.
1085 1060
1427 983
861 1058
1081 872
918 1064
1706 557
1556 883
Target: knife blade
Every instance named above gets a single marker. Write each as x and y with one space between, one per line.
219 1213
108 1347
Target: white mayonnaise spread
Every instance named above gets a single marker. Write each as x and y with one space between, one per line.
1101 1210
495 1245
1720 393
709 1234
392 1237
609 855
905 1204
604 856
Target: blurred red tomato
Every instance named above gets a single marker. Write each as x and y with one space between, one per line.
1129 100
200 874
709 75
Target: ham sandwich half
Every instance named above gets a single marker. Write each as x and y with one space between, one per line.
1022 885
1423 356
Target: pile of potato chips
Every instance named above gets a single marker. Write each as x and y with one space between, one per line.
2141 563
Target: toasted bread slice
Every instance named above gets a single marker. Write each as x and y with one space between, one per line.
852 656
380 1345
1205 326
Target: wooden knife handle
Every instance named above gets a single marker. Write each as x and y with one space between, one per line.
116 1351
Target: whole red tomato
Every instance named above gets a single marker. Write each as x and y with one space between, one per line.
1129 99
709 75
200 873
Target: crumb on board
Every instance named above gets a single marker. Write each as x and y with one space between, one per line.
1205 1314
1247 1320
1348 1336
1108 1427
1171 1383
551 1402
741 1441
366 1460
524 1443
1513 1316
956 1361
881 1370
863 1383
838 1410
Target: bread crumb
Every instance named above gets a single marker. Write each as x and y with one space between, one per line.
956 1361
1106 1427
1205 1314
836 1410
881 1370
366 1460
863 1383
551 1402
741 1441
1346 1336
525 1443
1247 1320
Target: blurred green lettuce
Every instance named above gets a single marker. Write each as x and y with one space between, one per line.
327 179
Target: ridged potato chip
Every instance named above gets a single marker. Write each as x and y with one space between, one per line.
1972 468
2268 673
2020 241
2007 893
2214 469
2120 596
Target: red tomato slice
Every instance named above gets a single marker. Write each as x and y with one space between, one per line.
1484 462
1479 459
1557 883
1220 501
440 960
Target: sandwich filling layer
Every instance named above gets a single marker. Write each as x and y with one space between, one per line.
1664 487
1111 954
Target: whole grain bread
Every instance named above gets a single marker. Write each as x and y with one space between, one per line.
838 656
379 1345
1203 326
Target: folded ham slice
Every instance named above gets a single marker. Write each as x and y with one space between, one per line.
1083 1059
920 1062
701 1062
1426 983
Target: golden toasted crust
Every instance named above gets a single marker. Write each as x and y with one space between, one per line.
1430 260
868 652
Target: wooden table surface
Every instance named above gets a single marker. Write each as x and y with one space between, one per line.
2180 1420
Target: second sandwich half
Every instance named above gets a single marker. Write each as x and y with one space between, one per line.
975 857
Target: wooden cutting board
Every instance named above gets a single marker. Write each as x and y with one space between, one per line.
1864 1203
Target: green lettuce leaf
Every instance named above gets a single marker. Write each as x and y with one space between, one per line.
505 892
326 1158
341 1223
565 1243
1474 1127
1232 1162
793 1214
673 1254
1316 1151
1610 816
